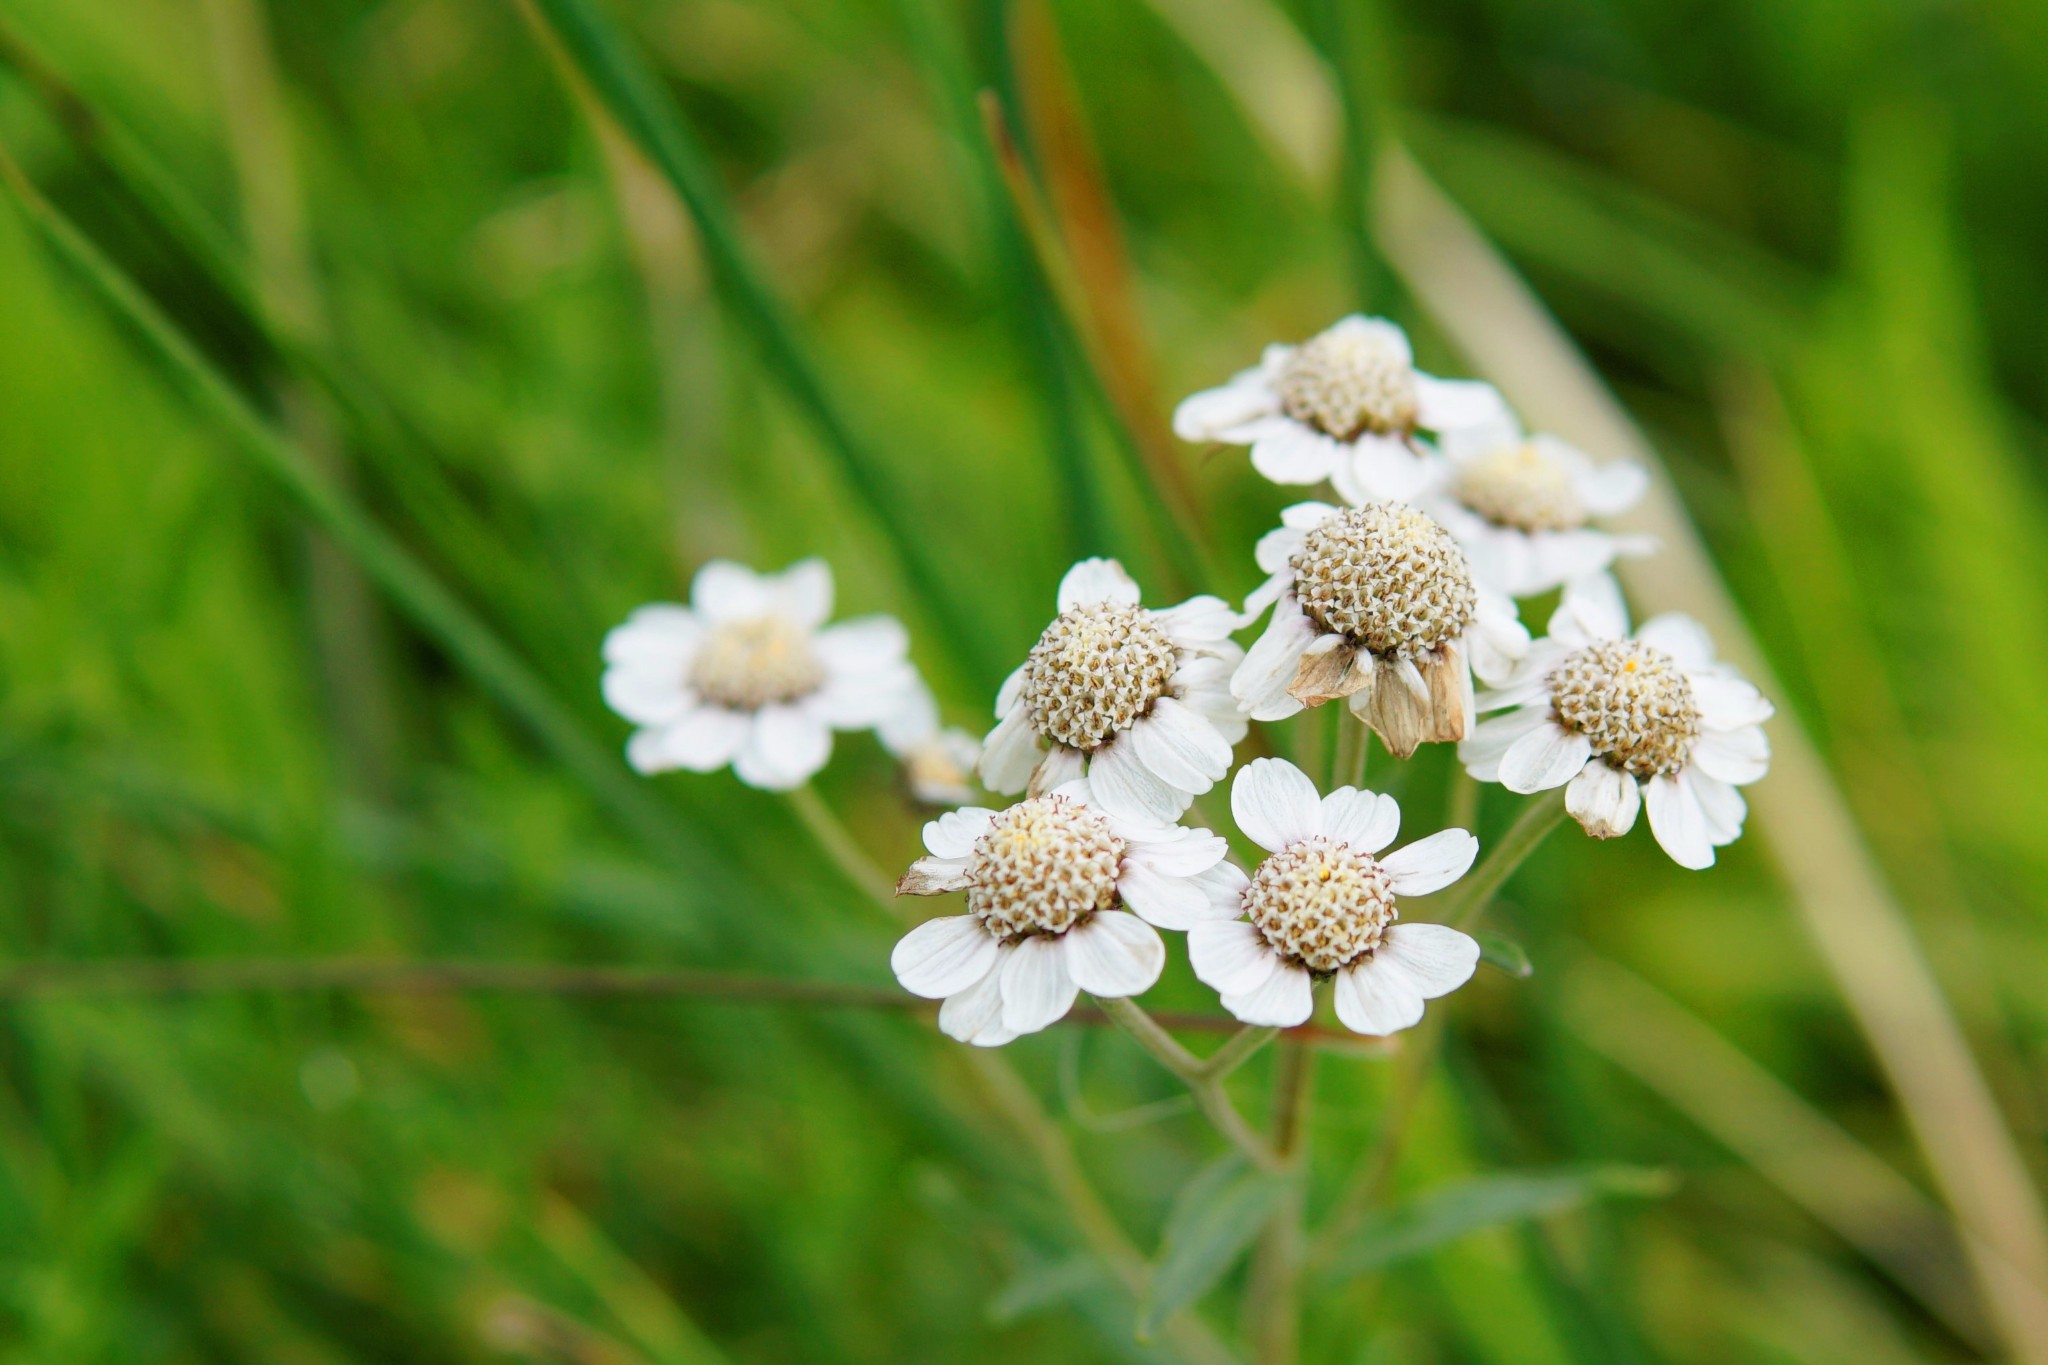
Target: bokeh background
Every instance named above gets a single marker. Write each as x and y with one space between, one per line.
1800 241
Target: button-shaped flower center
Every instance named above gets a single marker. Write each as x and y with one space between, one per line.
1042 866
1094 672
1321 902
1632 701
1386 577
1349 381
1522 488
757 662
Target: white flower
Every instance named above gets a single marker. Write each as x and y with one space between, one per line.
745 675
1628 720
1062 895
1522 506
1376 604
1137 699
1324 905
1346 403
938 764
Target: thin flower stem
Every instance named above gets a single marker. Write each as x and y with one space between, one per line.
1207 1089
1476 890
1462 810
1186 1333
1237 1050
1354 742
845 851
1274 1289
1366 1183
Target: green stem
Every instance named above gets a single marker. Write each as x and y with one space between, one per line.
1091 1217
1476 890
844 849
1354 742
1207 1089
1237 1050
1274 1289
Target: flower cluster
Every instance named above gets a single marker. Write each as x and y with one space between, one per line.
1392 598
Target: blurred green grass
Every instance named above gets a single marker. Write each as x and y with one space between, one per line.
1795 237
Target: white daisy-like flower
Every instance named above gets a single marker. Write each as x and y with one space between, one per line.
1062 897
1628 721
1376 604
749 674
1347 403
1523 506
1324 905
938 762
1138 700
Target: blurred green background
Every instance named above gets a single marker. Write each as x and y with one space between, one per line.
1801 239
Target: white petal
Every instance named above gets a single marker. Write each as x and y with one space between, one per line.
1274 549
975 1015
1123 785
1489 742
725 591
1197 620
942 957
1288 452
1679 823
803 592
1729 703
702 742
1179 746
1548 756
1683 638
1365 820
1738 756
1192 851
1010 752
1060 766
1380 468
1169 902
1436 958
1306 516
1011 691
865 644
1261 681
1202 416
1591 609
662 634
1097 580
1037 987
1115 954
1720 802
1376 1002
1604 800
913 724
1230 956
786 748
1448 404
1275 804
1612 487
952 835
1224 885
862 701
930 876
1286 998
1431 864
647 693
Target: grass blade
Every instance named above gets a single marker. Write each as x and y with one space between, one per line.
432 608
1452 1211
599 55
1214 1220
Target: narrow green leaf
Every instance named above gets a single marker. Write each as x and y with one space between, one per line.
1214 1219
1039 1287
1452 1211
1501 952
437 612
604 61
